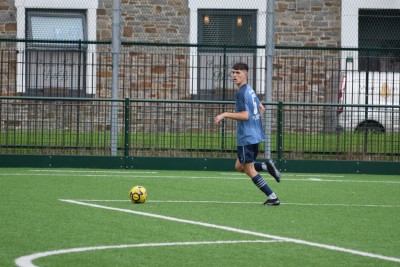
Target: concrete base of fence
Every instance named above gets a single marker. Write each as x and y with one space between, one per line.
197 164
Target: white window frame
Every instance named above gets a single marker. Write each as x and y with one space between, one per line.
91 16
349 21
260 5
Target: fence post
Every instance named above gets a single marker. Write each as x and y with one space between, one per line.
78 109
269 54
127 127
116 43
224 75
366 107
223 97
279 135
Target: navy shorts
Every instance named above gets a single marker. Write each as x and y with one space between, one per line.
247 154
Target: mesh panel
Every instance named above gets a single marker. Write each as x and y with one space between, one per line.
218 30
227 27
376 30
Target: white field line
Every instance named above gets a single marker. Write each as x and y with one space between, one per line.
247 202
26 261
93 171
126 175
129 171
291 174
154 172
129 175
237 230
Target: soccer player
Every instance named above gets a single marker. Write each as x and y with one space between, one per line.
250 133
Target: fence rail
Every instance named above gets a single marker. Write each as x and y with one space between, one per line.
181 128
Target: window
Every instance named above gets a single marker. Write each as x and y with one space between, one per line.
378 28
232 23
218 28
227 27
55 69
372 24
75 18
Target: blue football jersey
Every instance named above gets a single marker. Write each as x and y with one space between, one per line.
249 131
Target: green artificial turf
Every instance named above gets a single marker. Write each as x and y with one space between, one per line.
198 219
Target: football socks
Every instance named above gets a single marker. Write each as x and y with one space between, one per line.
260 166
262 185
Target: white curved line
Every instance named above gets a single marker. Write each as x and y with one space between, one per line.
26 261
226 228
236 230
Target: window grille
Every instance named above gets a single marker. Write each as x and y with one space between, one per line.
227 27
224 28
379 34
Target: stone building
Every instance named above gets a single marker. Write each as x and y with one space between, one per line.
298 23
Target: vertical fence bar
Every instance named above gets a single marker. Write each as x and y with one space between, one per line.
223 97
127 128
366 107
78 111
279 135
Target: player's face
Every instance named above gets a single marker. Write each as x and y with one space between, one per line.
239 77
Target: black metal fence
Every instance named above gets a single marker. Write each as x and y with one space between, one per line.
327 103
161 128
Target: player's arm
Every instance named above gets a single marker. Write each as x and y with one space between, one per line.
262 109
239 116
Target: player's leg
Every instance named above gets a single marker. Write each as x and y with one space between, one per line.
270 167
239 166
261 184
246 157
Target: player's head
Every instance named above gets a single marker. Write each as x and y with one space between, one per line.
240 66
240 73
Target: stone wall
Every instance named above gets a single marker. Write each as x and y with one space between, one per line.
314 23
162 21
307 75
8 21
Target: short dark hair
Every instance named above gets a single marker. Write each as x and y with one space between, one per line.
241 66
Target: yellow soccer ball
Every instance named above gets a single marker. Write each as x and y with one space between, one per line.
138 194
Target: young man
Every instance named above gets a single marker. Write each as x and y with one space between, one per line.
250 133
